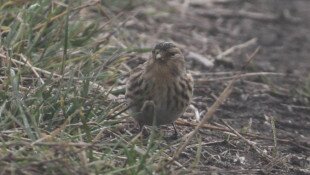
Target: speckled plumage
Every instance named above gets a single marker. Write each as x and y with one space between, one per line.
160 87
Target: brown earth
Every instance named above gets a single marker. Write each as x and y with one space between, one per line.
282 30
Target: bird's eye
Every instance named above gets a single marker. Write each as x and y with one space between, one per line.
172 53
154 52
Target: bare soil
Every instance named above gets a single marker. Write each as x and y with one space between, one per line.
282 30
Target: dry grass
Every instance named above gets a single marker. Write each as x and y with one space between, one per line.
59 66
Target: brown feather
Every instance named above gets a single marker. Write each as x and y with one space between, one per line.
163 82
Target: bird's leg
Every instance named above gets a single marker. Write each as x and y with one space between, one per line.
175 135
141 126
143 130
148 108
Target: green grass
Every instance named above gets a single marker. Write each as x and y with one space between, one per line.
58 69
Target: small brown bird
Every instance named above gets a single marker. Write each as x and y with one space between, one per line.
160 87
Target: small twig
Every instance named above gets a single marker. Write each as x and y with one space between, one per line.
273 125
276 161
245 75
209 63
237 47
205 126
260 152
37 69
254 136
174 161
297 107
111 116
92 3
202 74
32 68
208 143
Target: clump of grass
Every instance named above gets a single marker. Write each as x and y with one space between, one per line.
58 69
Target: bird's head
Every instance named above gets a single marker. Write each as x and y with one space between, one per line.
167 56
166 51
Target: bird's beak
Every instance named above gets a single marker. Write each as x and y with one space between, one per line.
158 56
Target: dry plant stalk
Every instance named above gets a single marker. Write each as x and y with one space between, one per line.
240 76
32 68
260 152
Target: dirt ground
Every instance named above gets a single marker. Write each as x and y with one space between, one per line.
208 28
